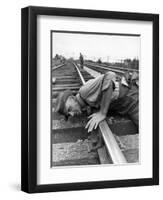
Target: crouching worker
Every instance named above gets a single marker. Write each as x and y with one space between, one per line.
103 93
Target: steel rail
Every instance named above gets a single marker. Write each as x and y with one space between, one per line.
111 144
105 68
120 69
54 68
79 73
114 67
112 147
123 69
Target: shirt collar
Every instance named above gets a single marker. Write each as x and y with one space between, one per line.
124 82
80 100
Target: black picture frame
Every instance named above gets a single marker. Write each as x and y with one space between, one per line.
29 98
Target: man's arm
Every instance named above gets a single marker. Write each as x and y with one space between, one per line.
96 118
106 99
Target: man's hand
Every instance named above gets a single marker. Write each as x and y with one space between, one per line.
94 121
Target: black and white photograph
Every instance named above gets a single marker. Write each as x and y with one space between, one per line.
95 98
90 88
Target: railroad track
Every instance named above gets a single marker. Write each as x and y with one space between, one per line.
102 68
70 145
120 68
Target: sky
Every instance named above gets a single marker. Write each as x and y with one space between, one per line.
93 46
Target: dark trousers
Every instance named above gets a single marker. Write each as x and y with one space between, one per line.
128 105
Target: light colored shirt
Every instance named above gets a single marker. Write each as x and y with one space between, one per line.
91 92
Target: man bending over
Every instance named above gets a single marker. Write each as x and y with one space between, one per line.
102 94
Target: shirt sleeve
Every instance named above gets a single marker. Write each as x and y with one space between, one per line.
107 81
91 90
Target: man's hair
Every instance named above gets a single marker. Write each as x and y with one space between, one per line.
61 100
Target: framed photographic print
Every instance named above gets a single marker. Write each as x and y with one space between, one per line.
90 99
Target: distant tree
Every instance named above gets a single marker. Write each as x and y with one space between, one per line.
128 60
135 63
131 63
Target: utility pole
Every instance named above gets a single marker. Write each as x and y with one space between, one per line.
107 59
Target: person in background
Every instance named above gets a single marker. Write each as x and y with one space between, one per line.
81 60
103 94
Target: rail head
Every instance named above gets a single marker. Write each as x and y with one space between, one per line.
54 68
105 68
79 73
109 139
111 68
111 144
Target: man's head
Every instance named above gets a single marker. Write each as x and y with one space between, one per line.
67 104
72 106
131 77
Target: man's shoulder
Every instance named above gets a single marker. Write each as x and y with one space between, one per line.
92 83
110 74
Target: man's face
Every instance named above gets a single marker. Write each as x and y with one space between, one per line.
72 106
